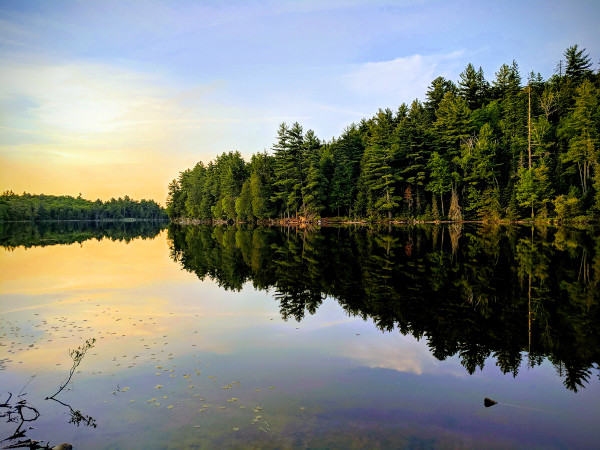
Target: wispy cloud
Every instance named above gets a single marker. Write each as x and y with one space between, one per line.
402 79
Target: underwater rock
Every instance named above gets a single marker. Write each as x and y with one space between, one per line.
489 402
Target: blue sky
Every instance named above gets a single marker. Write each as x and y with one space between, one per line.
112 98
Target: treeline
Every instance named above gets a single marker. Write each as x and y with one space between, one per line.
31 207
511 149
471 292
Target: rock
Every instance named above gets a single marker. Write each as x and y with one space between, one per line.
489 402
63 446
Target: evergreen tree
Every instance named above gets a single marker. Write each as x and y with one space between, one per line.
262 180
478 162
473 87
436 92
376 171
347 153
440 179
578 63
411 148
584 127
243 204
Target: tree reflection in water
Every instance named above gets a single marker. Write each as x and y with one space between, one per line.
471 291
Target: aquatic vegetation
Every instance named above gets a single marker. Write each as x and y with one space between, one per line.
77 356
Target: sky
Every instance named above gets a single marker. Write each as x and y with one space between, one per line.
115 98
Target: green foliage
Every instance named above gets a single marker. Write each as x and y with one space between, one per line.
533 188
504 151
243 204
578 63
32 207
441 181
473 87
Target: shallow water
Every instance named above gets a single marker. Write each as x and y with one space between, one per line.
248 337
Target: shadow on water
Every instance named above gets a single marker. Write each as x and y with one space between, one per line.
30 234
471 291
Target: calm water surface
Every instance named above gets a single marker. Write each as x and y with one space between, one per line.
281 338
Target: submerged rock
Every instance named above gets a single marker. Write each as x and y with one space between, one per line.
489 402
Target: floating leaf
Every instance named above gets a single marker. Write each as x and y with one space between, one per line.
158 386
170 407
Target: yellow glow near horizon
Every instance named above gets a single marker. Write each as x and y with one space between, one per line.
56 173
101 131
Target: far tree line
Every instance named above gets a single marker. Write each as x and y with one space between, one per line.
32 207
510 149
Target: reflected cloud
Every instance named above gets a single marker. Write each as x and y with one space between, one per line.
405 355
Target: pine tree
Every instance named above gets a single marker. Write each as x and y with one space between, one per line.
436 92
473 87
315 191
452 125
262 180
478 162
441 182
347 153
243 204
584 123
578 63
411 148
376 171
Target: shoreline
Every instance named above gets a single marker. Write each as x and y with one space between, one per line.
328 221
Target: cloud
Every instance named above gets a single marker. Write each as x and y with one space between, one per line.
109 131
402 79
85 98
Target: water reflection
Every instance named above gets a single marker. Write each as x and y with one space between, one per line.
469 291
30 234
22 412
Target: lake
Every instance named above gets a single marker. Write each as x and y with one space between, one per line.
337 337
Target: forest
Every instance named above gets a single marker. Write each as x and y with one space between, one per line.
31 207
517 294
511 149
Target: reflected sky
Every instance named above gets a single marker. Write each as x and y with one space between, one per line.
217 356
